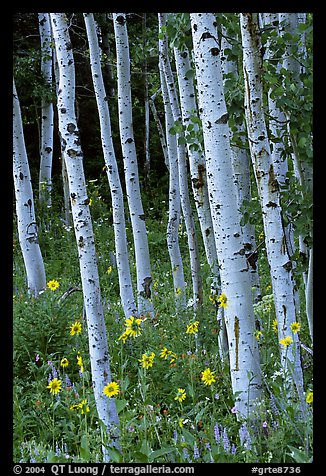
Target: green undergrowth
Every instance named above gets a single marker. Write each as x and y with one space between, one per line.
155 425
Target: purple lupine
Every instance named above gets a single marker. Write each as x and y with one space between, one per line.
217 434
245 438
196 452
68 382
175 436
233 449
226 441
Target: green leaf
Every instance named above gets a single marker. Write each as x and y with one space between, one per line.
162 451
84 449
188 436
299 456
120 405
114 454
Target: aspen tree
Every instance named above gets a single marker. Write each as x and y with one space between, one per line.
26 221
183 178
119 225
241 170
234 271
46 139
143 267
199 181
172 232
73 156
268 188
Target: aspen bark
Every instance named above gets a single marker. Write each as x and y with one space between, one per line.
46 140
119 225
73 156
268 188
235 279
26 221
143 268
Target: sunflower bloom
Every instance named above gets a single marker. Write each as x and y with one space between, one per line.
295 327
274 325
64 362
181 395
286 341
208 377
80 363
75 328
192 328
310 397
213 298
223 300
53 285
54 386
147 360
133 326
111 389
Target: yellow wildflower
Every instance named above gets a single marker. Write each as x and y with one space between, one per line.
181 395
208 377
147 360
54 386
286 341
295 327
53 285
111 389
192 328
310 397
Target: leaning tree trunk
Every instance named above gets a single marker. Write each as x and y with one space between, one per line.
199 181
241 171
26 222
119 226
172 231
234 271
46 140
183 174
73 156
268 188
143 268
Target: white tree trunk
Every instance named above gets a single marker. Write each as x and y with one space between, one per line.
26 221
73 156
183 174
46 142
143 268
199 183
235 279
174 201
241 171
268 188
119 225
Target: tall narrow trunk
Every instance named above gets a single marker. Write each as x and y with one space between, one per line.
121 246
143 268
46 142
183 173
241 171
172 231
235 280
277 253
199 182
26 221
73 156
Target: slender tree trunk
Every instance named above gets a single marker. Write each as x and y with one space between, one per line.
174 201
119 225
277 253
143 268
73 156
183 174
46 145
241 171
199 182
159 127
235 279
26 221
